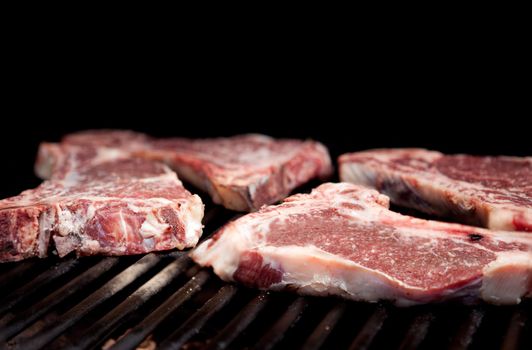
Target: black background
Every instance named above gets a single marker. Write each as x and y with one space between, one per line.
451 98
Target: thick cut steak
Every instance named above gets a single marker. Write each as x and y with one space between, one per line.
494 192
99 201
342 239
240 172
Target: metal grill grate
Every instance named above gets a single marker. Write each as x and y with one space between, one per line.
165 300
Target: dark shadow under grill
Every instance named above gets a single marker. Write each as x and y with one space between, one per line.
163 299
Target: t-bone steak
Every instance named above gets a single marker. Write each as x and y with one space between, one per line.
99 201
241 172
342 239
494 192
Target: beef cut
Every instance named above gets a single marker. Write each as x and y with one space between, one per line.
244 172
99 200
342 239
241 172
108 192
494 192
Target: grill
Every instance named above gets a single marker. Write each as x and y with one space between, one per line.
164 300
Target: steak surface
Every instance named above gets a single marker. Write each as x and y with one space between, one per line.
99 200
493 192
241 172
342 239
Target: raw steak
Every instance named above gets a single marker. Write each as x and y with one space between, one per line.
341 239
99 201
240 172
98 146
494 192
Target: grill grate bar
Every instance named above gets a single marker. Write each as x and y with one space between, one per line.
467 330
107 324
11 324
417 331
53 328
287 320
371 328
20 269
515 331
240 322
144 328
194 324
27 289
322 331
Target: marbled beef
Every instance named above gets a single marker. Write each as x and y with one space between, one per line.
343 240
99 200
493 192
241 172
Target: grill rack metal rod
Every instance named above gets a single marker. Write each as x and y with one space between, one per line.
287 320
239 323
107 324
325 327
468 329
42 279
138 333
53 328
515 330
21 268
368 332
11 324
418 331
194 324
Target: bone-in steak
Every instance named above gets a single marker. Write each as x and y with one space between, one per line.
494 192
240 172
342 239
99 201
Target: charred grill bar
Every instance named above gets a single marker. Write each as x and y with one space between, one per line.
164 299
